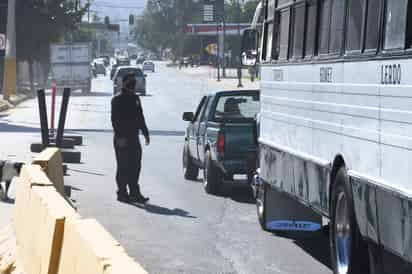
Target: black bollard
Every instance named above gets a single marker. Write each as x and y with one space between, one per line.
62 118
41 96
239 77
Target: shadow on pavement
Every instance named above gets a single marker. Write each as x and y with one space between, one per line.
86 172
164 210
91 94
164 133
5 127
315 244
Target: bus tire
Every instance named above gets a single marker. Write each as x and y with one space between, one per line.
349 254
190 171
212 178
261 194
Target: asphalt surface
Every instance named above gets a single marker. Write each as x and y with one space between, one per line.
182 229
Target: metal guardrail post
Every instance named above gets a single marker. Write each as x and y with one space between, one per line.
41 96
62 118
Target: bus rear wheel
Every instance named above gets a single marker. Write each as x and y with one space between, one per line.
349 253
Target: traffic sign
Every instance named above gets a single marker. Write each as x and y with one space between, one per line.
211 49
2 41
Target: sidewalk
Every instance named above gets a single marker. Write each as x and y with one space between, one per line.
14 100
210 73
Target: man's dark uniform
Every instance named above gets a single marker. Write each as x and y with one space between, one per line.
127 121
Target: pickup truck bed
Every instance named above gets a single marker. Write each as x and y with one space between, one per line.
221 137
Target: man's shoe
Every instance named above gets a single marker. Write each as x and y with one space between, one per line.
140 199
123 198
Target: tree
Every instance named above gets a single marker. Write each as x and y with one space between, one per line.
162 24
39 24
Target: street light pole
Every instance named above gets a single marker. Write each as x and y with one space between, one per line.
218 51
10 63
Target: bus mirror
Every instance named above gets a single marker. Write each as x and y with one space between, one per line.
249 48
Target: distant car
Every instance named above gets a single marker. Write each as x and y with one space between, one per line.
140 60
122 71
221 138
149 66
106 60
98 67
113 70
133 57
123 61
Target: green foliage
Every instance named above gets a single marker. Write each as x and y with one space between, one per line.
162 24
38 24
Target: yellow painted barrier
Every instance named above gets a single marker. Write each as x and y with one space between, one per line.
89 248
51 237
51 162
39 220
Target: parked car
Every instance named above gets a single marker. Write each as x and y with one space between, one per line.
121 71
221 138
148 66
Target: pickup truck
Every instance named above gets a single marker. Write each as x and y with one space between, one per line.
221 138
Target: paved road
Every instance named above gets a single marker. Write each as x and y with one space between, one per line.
182 229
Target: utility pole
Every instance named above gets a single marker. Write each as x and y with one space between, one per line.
224 41
218 51
10 63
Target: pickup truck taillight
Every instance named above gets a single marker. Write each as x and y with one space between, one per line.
220 147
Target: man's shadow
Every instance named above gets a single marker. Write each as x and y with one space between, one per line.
163 210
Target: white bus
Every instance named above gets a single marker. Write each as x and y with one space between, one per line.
336 126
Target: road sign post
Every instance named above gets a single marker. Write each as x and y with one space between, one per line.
10 64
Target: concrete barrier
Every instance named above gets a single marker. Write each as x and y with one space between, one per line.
51 162
52 238
89 248
39 219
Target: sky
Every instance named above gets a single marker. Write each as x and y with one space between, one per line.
117 9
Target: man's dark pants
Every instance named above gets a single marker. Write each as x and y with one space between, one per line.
128 158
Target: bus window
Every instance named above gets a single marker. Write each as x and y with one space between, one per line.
356 11
395 24
324 26
298 30
372 24
336 26
268 49
284 33
409 27
311 21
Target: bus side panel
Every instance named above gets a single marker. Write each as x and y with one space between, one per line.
395 224
302 179
364 198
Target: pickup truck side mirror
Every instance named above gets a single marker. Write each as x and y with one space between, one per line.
249 54
188 116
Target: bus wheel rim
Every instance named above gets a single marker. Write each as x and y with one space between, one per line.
342 234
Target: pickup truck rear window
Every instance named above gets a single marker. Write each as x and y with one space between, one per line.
123 72
237 107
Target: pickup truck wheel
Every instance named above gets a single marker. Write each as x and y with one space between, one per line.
349 253
261 205
212 178
190 171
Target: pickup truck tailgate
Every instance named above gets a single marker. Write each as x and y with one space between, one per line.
240 140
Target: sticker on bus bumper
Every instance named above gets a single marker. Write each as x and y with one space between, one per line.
293 226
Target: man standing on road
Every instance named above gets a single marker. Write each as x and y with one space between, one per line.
127 121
